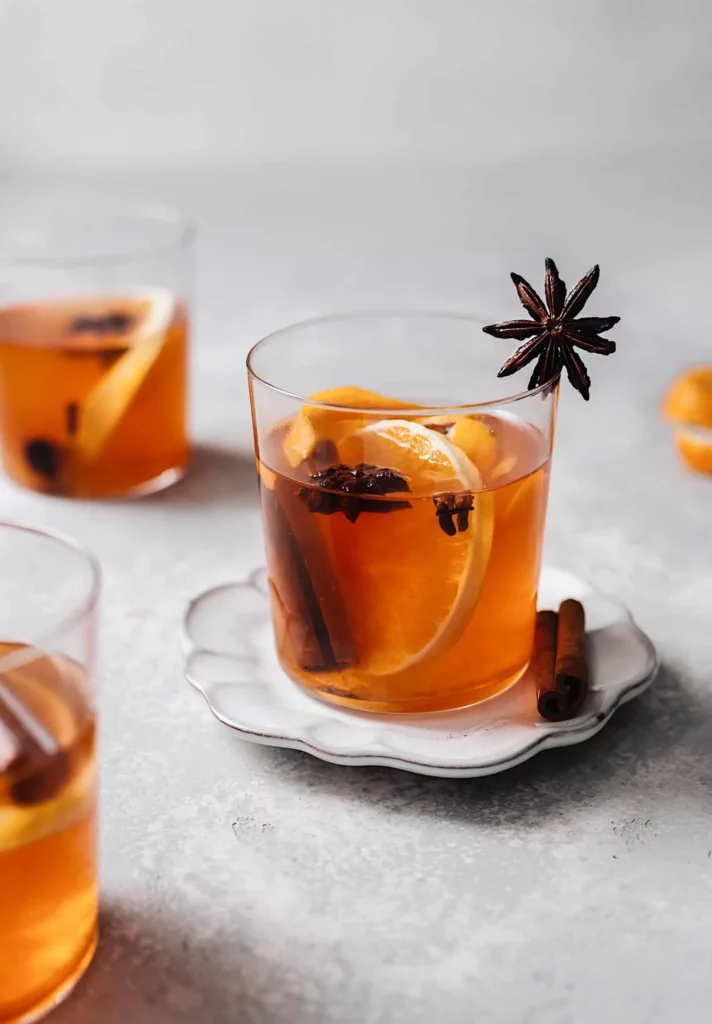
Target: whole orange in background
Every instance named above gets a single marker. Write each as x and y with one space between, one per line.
688 405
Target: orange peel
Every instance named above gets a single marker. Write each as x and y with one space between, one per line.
688 405
315 423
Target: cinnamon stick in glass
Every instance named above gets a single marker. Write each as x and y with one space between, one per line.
561 662
310 614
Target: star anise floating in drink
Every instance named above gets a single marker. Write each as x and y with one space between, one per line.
347 489
554 330
453 511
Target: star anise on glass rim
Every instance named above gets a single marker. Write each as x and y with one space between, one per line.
554 330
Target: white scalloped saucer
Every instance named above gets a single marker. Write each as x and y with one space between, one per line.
231 660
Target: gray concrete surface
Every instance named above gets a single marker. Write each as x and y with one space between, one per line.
259 886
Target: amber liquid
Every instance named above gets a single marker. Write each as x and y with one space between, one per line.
322 570
42 386
48 881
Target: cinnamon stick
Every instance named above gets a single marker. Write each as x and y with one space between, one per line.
549 703
303 585
560 661
571 656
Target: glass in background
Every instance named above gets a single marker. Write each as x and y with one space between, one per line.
93 347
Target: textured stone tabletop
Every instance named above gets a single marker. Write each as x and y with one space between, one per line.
245 884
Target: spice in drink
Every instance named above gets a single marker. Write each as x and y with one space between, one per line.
560 661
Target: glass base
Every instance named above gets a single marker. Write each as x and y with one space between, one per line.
168 478
459 701
230 659
52 1001
234 621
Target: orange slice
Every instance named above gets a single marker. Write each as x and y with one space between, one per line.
688 403
694 447
20 825
314 423
471 434
26 689
476 440
440 423
151 314
688 400
410 590
266 476
504 467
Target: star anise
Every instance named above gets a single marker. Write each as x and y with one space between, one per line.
553 330
43 457
453 511
348 489
112 323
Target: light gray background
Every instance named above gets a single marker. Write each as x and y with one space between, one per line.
351 155
91 83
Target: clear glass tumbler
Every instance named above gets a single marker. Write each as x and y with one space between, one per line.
403 491
48 856
93 347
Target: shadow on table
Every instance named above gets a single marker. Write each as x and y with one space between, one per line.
217 475
151 967
650 744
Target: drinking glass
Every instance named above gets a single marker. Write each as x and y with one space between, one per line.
48 860
403 489
93 346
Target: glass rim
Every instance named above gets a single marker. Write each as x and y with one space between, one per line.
182 231
384 314
83 607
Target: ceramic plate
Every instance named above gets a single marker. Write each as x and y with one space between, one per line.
231 660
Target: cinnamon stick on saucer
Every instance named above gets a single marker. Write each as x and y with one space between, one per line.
312 619
549 703
560 661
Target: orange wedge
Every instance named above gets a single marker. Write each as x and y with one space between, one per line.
695 449
20 825
471 434
440 423
688 400
411 589
476 440
688 404
51 718
151 314
315 423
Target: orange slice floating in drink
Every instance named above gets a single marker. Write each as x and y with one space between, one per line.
476 440
316 423
20 824
133 325
410 589
471 434
688 404
149 314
